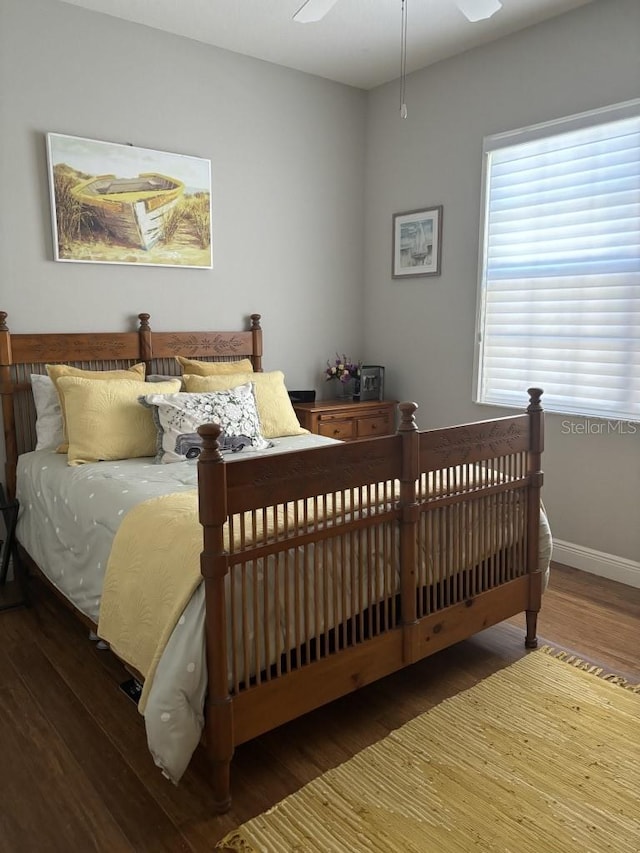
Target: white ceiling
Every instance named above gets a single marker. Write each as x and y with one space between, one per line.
358 42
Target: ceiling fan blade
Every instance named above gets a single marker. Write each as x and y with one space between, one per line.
478 10
313 10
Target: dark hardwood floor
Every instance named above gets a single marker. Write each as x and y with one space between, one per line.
75 773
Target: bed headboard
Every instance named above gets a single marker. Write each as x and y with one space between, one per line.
23 354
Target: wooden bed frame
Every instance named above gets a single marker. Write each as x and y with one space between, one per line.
347 500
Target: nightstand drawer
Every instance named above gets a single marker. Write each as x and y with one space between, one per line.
380 424
335 428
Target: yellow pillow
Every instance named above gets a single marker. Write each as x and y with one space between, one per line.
105 419
56 371
275 411
214 368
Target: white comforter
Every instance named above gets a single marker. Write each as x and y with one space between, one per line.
68 518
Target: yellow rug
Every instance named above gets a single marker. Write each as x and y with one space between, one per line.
541 757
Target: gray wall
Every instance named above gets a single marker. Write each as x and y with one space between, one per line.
287 179
423 329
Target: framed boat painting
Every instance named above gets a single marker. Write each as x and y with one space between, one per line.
118 204
417 243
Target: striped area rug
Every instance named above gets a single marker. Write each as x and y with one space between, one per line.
541 757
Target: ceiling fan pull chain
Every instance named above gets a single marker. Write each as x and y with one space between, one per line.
403 60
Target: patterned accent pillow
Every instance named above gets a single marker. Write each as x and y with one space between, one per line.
178 416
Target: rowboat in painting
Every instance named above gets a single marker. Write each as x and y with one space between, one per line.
132 210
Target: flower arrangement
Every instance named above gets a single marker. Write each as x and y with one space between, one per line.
342 368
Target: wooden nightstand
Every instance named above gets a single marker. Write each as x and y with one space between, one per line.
346 419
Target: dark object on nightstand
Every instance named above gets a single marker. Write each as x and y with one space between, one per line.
14 593
302 396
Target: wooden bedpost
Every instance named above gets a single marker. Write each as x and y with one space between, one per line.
534 472
256 331
408 429
11 450
144 333
212 489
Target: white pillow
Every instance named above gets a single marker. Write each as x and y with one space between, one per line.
49 426
177 417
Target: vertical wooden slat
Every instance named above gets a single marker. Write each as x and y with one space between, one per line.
234 627
288 637
277 642
442 547
339 582
477 571
316 596
327 551
246 648
430 579
255 597
346 580
306 574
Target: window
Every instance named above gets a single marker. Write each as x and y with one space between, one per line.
559 291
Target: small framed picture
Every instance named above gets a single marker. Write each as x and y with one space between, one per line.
371 382
417 242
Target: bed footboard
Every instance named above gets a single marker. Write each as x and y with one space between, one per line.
326 569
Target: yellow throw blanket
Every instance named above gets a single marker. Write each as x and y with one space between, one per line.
153 570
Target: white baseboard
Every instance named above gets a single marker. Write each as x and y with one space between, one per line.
597 563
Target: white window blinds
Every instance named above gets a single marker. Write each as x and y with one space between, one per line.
559 300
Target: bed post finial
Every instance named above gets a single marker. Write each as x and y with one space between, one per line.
144 322
407 419
3 321
210 447
255 321
534 399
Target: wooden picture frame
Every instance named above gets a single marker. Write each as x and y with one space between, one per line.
417 243
118 204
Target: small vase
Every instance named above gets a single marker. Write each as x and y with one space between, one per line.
349 390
